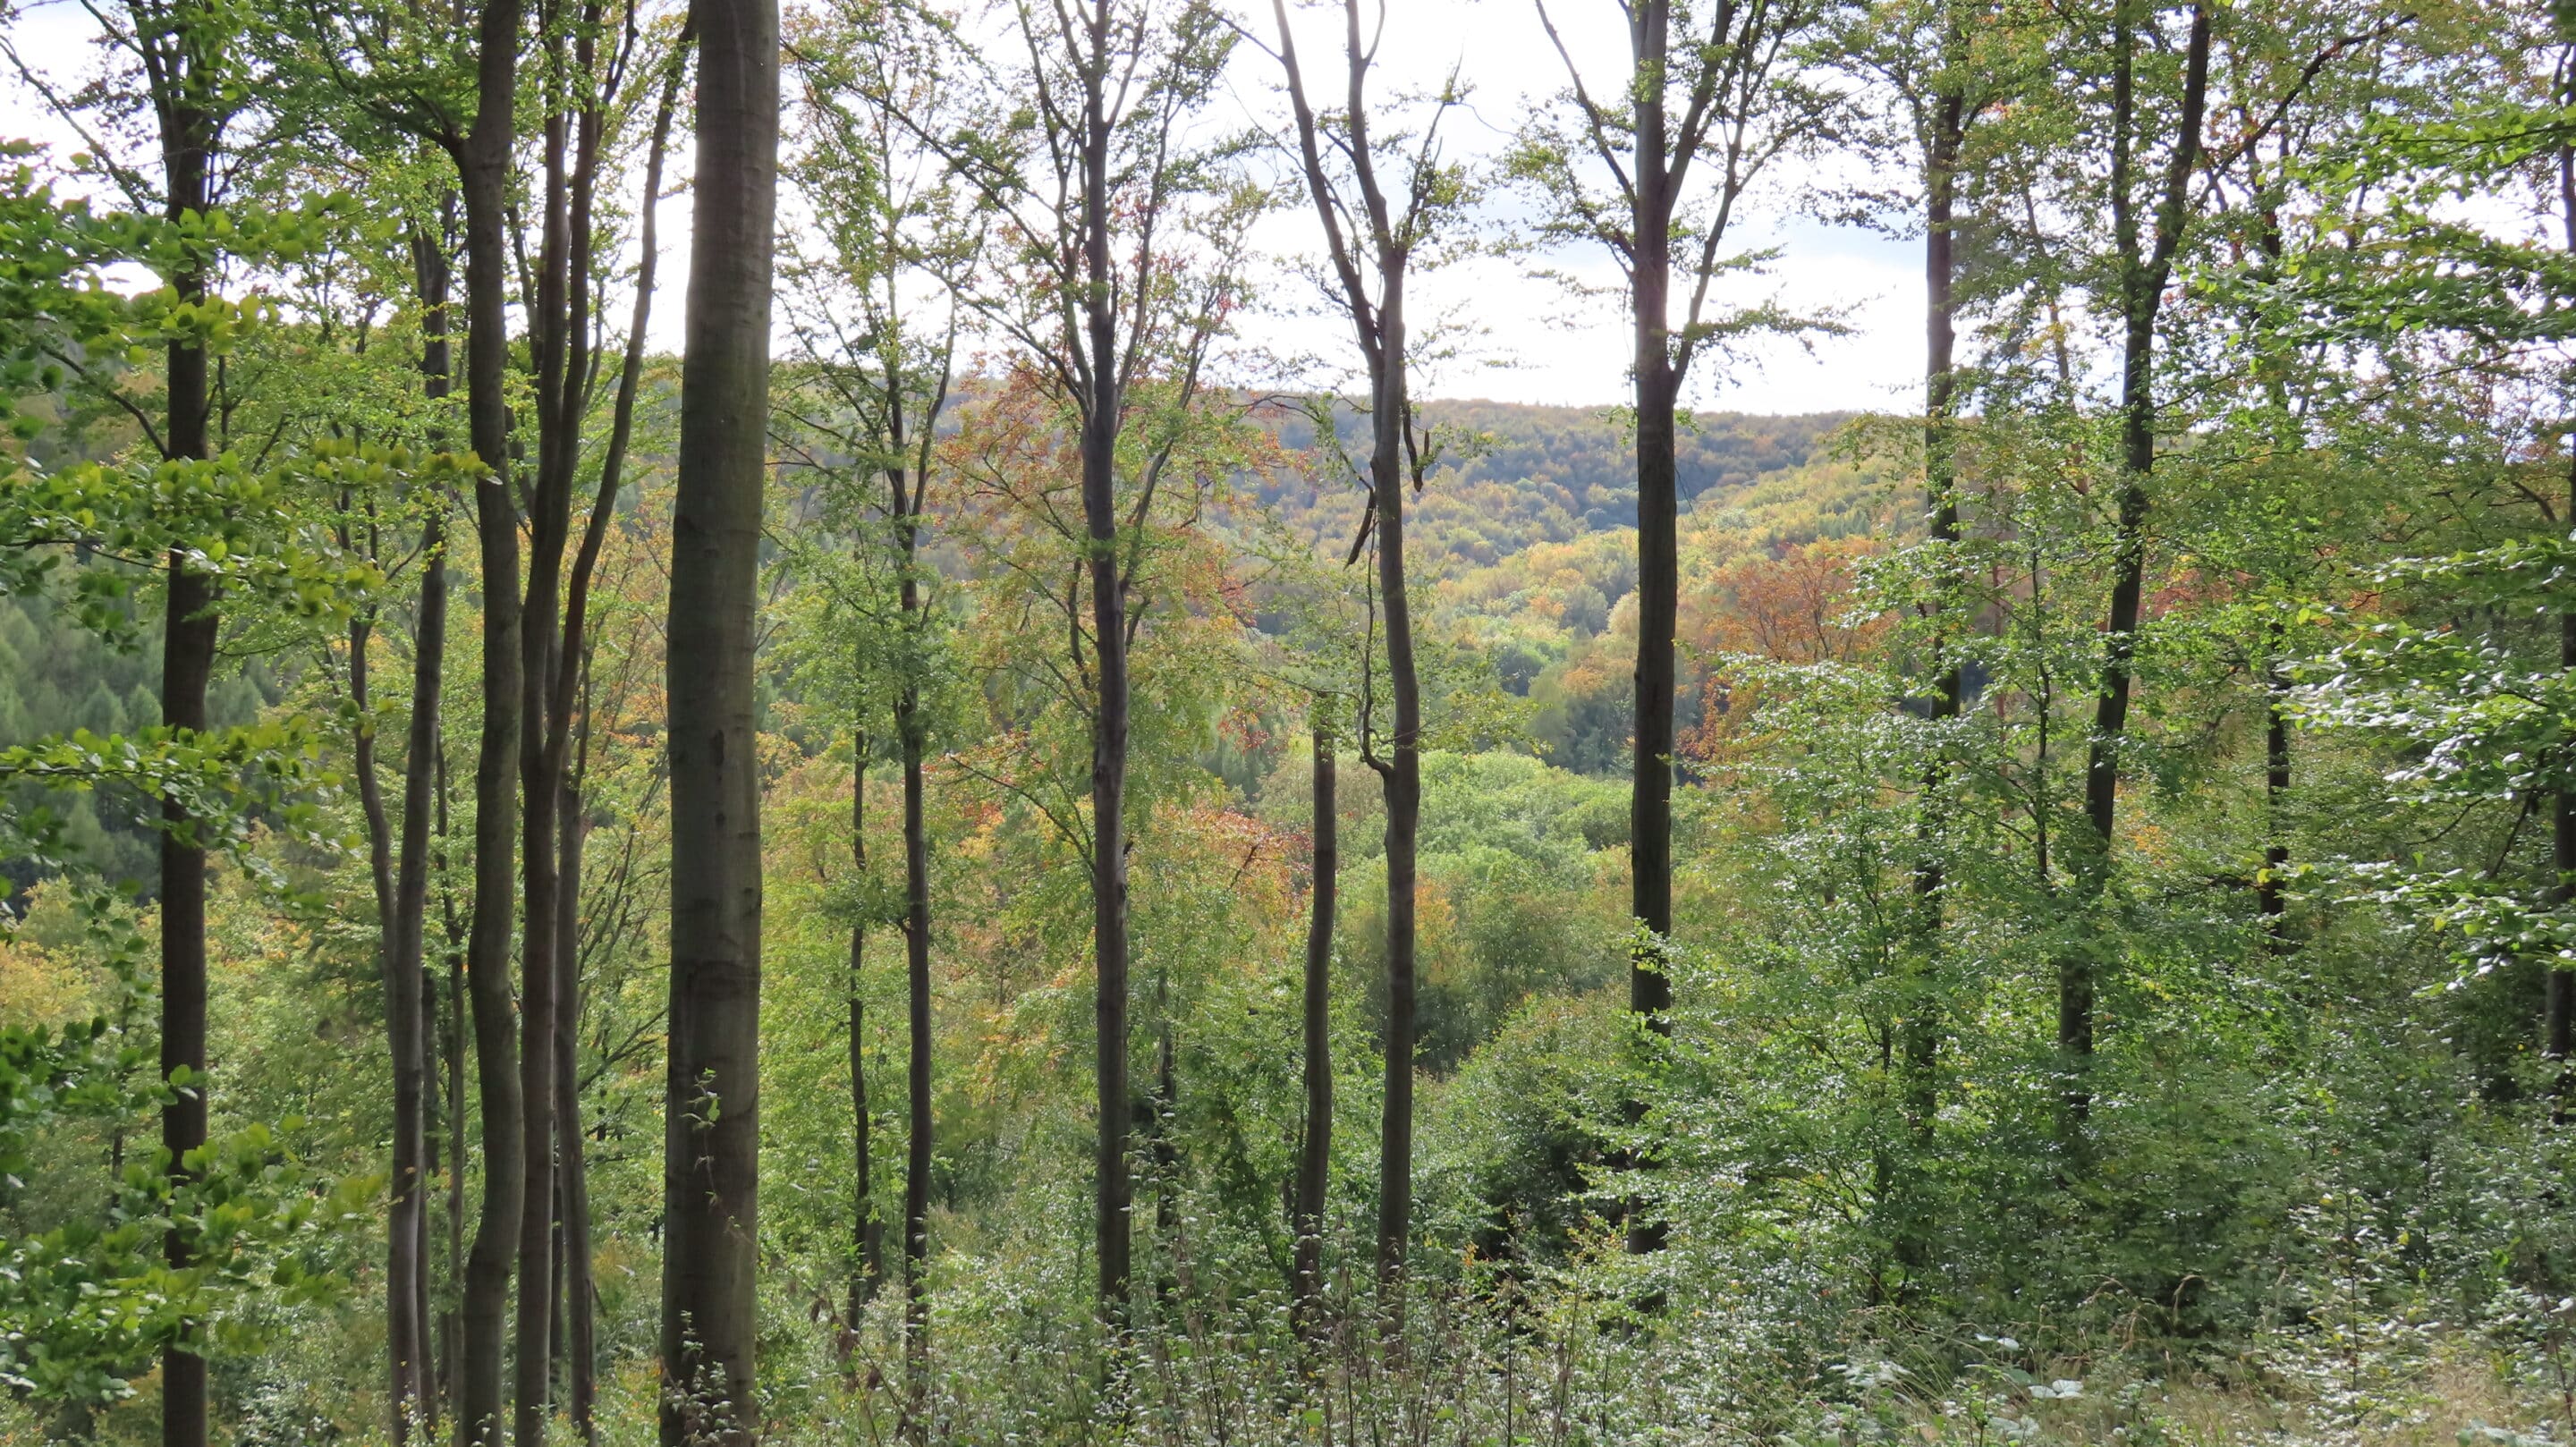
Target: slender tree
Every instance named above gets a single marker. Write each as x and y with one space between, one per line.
1925 56
1374 227
1655 174
2143 253
877 317
867 1227
483 164
1098 375
1086 161
407 990
183 56
905 497
558 645
1315 1136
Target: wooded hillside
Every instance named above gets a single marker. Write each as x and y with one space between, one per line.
985 852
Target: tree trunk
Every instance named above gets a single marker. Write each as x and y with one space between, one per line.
867 1232
408 993
579 1308
1113 1191
187 662
917 1131
451 1320
1403 785
2142 276
1658 392
566 756
483 166
403 1341
1378 326
1315 1146
906 497
711 1160
2558 1027
555 332
1922 1020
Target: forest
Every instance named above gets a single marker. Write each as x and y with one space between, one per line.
994 809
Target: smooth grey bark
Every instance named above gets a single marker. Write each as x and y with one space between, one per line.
1402 777
1657 381
711 1160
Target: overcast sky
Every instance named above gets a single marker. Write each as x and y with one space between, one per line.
1541 345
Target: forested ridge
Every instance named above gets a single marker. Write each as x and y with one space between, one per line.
979 842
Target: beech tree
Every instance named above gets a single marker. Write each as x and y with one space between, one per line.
1085 154
876 316
1942 68
711 1155
193 87
2190 984
1654 168
1389 219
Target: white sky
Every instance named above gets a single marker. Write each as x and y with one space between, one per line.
1543 345
1549 347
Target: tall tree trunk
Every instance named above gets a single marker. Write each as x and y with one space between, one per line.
1922 1019
1378 325
917 1129
1315 1140
1658 392
1403 786
912 736
186 662
483 169
711 1160
2558 1023
565 760
188 137
2144 267
1113 1192
555 334
408 993
579 1311
403 1340
451 1319
867 1230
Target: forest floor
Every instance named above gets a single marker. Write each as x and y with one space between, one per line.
2453 1391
